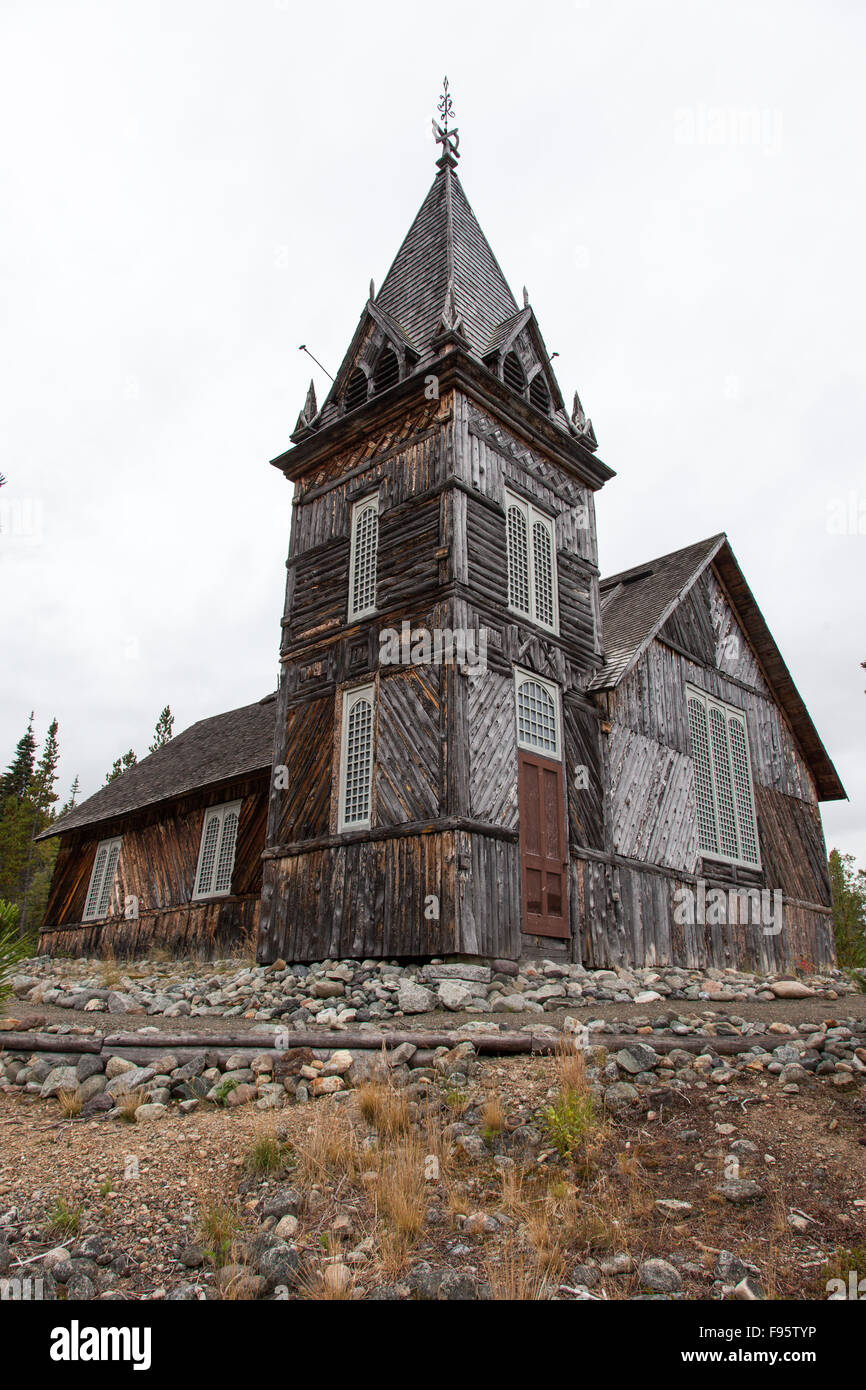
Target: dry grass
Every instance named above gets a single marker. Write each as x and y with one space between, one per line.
492 1117
267 1154
70 1103
385 1108
219 1226
515 1275
330 1148
129 1102
109 971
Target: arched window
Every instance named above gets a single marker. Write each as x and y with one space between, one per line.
356 771
363 556
518 559
539 394
387 371
537 725
356 390
216 858
531 562
512 373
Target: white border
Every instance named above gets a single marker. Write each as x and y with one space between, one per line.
220 811
358 508
727 710
350 698
532 514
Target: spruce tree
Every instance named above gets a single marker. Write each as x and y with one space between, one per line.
18 776
162 732
121 765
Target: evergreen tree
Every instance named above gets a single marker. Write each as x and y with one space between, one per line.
849 909
162 732
73 796
121 765
19 774
39 862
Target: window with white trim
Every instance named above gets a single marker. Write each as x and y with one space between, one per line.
102 879
537 714
363 557
531 544
216 856
356 758
727 827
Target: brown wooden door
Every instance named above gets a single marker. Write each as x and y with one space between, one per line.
542 846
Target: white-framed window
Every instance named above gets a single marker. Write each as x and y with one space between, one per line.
538 720
102 880
531 543
727 827
216 856
356 758
362 557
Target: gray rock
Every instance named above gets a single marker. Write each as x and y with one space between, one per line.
740 1190
286 1201
620 1096
89 1064
133 1080
59 1079
659 1276
280 1267
413 998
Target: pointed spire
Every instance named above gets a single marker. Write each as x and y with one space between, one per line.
451 321
310 410
372 290
525 297
448 139
583 425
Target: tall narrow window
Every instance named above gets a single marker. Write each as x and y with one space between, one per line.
216 856
101 880
362 558
356 758
537 714
727 828
531 563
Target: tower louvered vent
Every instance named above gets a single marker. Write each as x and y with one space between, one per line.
387 372
512 373
539 394
356 391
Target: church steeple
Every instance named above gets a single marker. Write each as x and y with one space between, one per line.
445 287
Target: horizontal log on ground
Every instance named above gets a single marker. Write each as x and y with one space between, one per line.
491 1044
48 1042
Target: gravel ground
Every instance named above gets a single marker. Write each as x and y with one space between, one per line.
793 1011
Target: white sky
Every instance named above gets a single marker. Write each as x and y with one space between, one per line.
189 190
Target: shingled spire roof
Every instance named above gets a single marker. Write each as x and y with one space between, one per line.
445 293
446 249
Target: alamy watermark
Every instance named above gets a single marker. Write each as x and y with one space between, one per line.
739 907
419 646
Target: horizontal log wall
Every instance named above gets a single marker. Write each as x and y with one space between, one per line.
157 865
207 930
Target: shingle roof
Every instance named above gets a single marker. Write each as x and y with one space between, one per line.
213 750
636 603
445 243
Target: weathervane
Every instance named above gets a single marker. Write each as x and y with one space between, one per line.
448 139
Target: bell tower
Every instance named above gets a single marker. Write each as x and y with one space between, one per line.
437 763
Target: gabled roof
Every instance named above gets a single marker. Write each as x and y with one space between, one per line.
636 603
219 749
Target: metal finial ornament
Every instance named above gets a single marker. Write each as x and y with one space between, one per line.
448 139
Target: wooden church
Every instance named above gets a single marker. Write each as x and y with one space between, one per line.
479 748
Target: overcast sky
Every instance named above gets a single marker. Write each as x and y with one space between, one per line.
189 190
